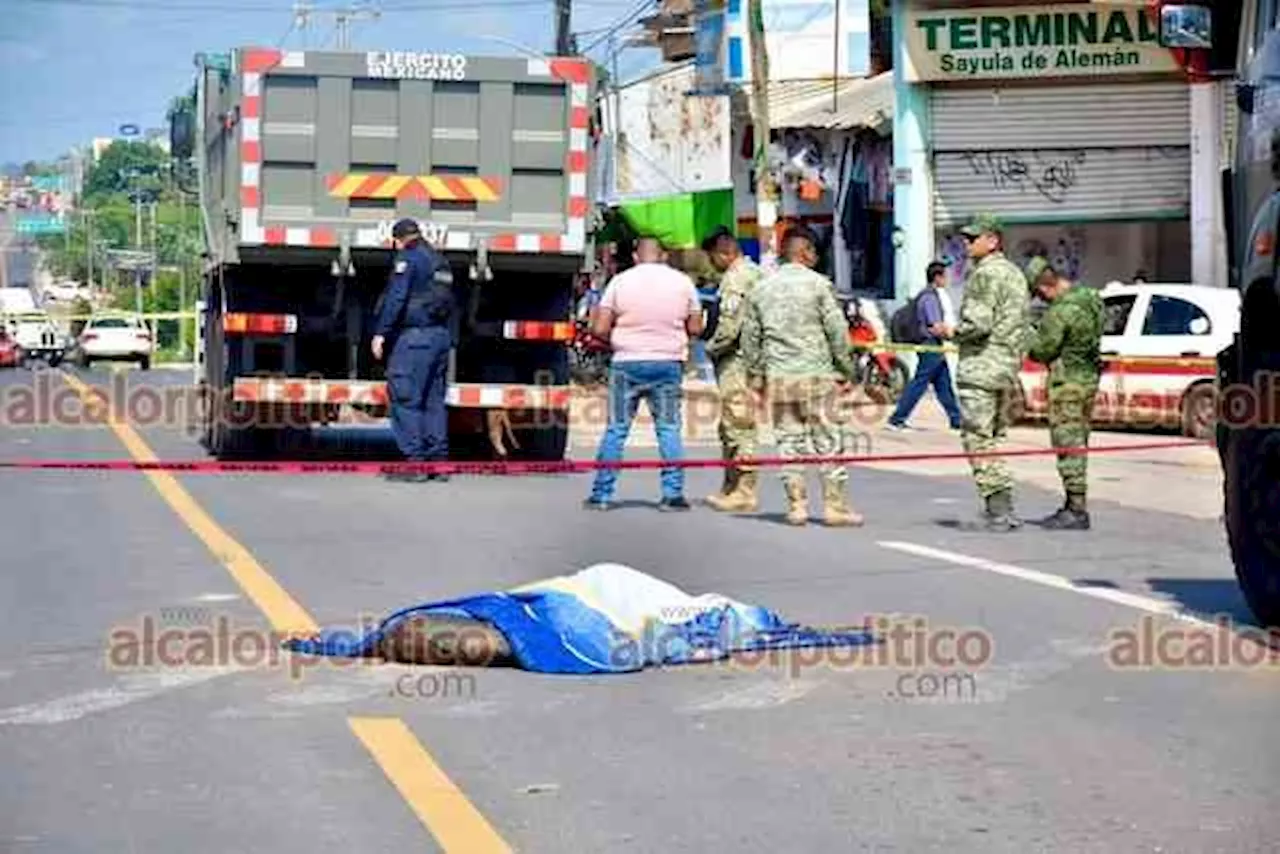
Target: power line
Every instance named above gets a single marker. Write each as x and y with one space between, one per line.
252 9
625 21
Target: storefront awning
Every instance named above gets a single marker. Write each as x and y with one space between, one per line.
859 102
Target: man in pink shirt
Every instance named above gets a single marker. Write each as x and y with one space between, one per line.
647 314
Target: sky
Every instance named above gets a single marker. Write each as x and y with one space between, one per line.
73 70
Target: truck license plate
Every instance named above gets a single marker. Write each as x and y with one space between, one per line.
433 232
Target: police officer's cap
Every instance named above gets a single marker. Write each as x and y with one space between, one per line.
983 223
404 228
1036 268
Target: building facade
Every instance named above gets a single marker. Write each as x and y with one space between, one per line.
1069 122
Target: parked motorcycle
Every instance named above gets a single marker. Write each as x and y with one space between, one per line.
589 357
880 372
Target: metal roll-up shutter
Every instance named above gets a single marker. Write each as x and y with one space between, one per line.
1062 153
1230 115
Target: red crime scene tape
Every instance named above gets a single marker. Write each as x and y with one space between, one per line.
508 468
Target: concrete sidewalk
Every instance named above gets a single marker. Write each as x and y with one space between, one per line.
1185 481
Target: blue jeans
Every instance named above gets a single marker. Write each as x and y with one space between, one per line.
658 383
931 370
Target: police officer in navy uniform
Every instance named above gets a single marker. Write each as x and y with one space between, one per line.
415 323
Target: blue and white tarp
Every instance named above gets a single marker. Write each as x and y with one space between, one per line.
607 618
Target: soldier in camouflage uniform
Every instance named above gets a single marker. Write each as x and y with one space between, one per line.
991 333
795 345
1068 340
737 427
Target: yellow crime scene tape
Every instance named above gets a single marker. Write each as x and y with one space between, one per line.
146 315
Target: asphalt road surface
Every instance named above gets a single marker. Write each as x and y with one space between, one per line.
1047 745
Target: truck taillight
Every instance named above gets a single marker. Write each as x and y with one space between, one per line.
1264 244
260 324
538 330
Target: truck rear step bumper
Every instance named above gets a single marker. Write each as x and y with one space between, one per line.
374 393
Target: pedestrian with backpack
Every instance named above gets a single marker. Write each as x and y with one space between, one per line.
925 319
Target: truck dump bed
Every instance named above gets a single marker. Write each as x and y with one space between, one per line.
315 150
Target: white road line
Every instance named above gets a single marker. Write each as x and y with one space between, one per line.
132 689
1119 597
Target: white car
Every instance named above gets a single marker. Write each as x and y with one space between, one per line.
117 338
1159 342
67 292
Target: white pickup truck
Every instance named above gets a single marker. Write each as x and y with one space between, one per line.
37 335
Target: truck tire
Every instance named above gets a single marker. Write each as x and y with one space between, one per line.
1199 411
225 438
547 443
231 442
1251 486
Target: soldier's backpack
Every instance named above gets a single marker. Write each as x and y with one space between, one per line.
904 326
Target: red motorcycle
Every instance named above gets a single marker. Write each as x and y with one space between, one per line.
879 371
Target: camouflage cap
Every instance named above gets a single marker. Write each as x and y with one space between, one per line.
983 223
1035 268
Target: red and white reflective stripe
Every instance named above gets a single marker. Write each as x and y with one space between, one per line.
537 330
373 393
254 62
1146 366
260 324
575 73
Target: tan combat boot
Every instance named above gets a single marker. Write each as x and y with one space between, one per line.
835 509
798 500
727 489
743 498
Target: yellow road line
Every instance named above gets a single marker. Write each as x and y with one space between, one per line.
452 819
285 614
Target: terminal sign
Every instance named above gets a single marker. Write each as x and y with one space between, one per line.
1044 41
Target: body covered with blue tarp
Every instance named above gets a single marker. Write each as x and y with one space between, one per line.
607 618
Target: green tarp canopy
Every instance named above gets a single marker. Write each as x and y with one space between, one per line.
681 221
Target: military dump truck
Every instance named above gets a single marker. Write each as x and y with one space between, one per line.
304 160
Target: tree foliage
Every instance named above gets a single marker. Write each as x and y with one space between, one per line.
108 212
126 166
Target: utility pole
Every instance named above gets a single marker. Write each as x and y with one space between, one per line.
182 272
564 46
766 193
302 20
88 246
137 246
344 17
835 64
155 328
304 11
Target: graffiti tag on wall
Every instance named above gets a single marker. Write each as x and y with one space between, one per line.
1051 173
